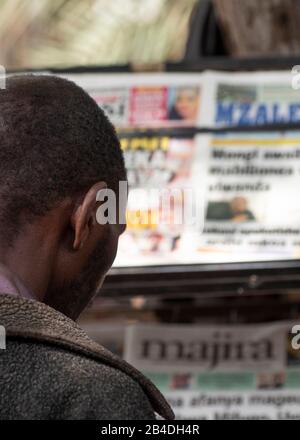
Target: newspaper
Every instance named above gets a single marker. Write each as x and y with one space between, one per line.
160 162
252 98
252 208
160 174
221 372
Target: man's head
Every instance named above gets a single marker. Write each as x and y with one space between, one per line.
57 150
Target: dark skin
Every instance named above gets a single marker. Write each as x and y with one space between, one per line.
52 252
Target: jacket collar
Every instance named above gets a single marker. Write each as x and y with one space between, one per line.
32 320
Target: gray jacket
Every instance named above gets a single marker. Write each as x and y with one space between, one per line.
50 369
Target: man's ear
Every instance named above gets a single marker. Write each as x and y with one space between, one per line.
84 215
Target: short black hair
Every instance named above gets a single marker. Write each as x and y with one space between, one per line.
54 142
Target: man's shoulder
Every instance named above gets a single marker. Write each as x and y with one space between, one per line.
71 385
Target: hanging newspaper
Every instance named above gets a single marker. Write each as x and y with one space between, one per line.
162 180
221 373
249 99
